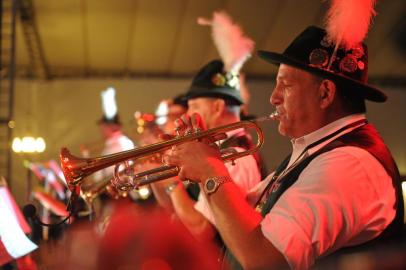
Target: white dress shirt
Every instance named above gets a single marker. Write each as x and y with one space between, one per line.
116 143
344 197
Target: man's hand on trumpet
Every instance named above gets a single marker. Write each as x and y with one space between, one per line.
197 160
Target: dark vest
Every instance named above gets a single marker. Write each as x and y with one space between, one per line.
365 137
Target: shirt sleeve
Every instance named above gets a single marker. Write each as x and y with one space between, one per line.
115 145
343 197
245 174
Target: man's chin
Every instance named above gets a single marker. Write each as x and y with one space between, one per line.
281 129
284 131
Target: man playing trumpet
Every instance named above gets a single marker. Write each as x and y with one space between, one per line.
339 188
210 95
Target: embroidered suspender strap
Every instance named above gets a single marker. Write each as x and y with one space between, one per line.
365 137
229 261
291 177
261 200
274 184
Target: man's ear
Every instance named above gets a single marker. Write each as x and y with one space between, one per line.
327 93
218 106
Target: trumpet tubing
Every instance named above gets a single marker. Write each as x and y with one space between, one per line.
76 169
105 186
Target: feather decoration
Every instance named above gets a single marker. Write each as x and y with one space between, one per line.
233 46
347 21
109 102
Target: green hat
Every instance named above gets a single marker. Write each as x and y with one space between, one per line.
213 81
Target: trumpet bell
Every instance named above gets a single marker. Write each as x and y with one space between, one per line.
125 178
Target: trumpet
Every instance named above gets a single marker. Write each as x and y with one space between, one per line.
76 169
89 194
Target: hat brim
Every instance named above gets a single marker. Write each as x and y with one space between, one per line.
364 90
104 120
220 92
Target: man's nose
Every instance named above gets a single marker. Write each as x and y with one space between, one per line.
275 98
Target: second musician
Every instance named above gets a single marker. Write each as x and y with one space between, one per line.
219 105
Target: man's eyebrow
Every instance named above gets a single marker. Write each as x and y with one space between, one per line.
282 78
286 77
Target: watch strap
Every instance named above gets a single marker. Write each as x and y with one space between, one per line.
217 181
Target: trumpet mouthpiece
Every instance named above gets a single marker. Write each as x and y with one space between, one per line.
274 115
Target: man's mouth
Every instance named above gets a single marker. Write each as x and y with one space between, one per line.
276 115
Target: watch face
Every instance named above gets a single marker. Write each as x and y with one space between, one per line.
210 184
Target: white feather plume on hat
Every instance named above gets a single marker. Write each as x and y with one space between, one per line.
109 103
347 21
233 46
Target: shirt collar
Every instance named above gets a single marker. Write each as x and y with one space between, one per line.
300 144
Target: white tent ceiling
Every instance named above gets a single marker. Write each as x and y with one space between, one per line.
122 38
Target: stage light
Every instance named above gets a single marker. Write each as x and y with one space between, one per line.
28 144
140 130
11 124
40 145
161 113
141 122
17 145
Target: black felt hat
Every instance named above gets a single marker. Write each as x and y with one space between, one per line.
180 100
213 81
114 120
311 51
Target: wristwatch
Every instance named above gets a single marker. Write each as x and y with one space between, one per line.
212 183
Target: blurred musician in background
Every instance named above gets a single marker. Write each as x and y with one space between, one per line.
219 94
150 128
114 141
218 101
146 130
111 129
168 111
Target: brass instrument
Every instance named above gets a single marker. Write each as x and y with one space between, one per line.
89 194
75 168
